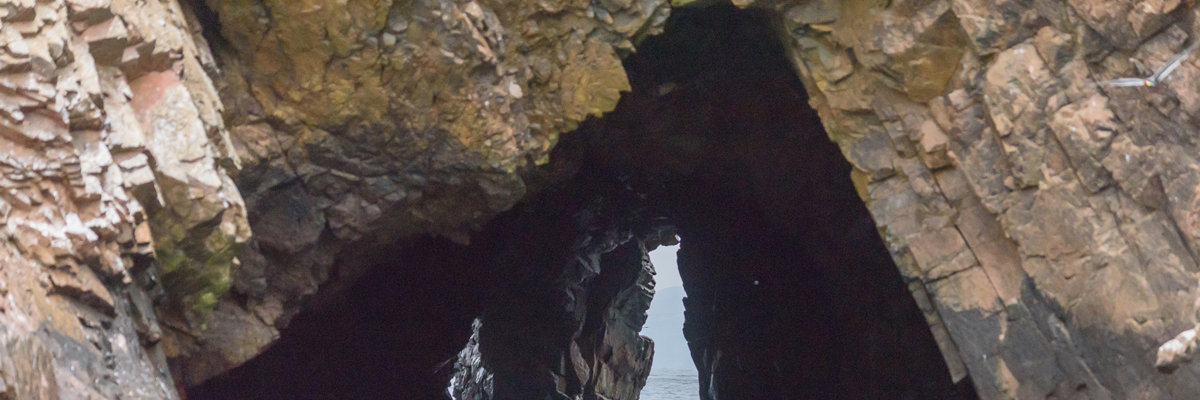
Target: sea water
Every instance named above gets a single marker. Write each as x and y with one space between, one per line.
671 384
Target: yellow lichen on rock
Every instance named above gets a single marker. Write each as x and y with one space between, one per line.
593 85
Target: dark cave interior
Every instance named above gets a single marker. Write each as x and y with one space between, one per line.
791 292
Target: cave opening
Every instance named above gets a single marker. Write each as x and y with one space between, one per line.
791 293
673 372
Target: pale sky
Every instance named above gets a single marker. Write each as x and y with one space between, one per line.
665 323
663 259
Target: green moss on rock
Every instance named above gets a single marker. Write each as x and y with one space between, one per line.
196 265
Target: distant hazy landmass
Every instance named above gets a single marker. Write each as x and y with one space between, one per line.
672 376
665 326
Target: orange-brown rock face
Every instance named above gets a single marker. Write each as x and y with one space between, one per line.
114 188
1046 218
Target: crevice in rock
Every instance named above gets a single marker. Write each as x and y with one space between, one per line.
208 23
791 292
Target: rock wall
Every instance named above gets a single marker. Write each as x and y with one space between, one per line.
120 217
567 294
1048 220
365 122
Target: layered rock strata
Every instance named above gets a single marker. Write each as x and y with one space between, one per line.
118 208
1046 219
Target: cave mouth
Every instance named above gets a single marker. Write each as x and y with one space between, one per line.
791 293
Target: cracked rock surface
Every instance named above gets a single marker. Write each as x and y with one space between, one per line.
121 221
1049 221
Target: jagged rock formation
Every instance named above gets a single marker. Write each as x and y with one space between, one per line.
1046 219
1045 226
116 197
563 320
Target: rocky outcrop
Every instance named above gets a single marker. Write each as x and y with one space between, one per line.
116 201
1047 219
1043 220
549 331
367 122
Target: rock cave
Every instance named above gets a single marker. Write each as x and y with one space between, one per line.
901 199
791 292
